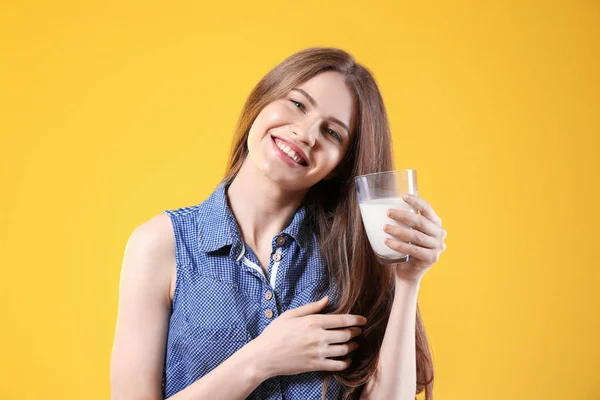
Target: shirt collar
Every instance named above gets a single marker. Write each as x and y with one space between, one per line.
217 227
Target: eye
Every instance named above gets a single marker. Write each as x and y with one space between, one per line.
334 134
298 104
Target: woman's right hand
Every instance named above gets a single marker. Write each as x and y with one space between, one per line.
300 340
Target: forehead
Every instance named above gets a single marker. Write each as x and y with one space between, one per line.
333 97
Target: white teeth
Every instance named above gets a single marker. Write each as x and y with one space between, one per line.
287 150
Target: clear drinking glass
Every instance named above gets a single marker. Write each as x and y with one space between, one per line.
377 193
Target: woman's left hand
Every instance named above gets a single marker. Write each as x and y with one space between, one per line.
426 238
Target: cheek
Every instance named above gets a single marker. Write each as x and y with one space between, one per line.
277 115
331 157
272 116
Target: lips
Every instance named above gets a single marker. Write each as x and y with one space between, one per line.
295 148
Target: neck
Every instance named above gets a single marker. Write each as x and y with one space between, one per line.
261 207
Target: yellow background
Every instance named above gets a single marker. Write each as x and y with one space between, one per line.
112 111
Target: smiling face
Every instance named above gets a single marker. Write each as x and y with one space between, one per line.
299 139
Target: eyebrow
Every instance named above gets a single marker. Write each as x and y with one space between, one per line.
314 104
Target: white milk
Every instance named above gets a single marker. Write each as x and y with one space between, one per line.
374 216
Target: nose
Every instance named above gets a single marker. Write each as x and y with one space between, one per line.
307 131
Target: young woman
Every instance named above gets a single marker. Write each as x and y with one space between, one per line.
269 288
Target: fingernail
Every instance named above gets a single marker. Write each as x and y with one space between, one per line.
406 196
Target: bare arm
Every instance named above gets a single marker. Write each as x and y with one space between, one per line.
143 315
143 312
396 375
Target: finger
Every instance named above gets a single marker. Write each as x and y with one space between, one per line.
411 236
307 309
332 321
339 350
415 221
423 206
334 365
428 256
342 335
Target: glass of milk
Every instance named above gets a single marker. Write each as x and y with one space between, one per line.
377 193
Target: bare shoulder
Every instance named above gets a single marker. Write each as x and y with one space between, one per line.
154 235
150 251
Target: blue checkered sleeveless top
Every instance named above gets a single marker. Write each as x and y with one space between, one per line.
223 300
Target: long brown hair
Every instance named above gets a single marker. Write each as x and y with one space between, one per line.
364 287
